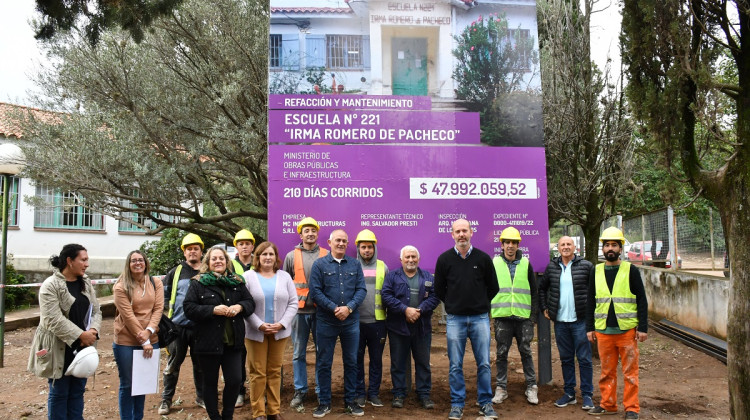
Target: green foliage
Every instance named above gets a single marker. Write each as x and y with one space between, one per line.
164 253
288 82
491 62
130 15
16 296
166 127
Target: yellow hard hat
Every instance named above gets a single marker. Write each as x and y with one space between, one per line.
191 239
244 235
366 236
307 221
612 234
510 233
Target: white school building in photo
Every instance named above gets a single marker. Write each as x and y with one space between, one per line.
383 47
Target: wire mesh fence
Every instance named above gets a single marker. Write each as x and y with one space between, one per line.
665 238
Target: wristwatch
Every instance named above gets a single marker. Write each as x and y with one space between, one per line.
350 309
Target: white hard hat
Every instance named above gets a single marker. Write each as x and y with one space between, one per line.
85 363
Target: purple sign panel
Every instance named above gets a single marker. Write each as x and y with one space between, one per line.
306 126
410 195
356 102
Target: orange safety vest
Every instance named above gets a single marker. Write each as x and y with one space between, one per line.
300 282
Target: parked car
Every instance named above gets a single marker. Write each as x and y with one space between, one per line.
640 253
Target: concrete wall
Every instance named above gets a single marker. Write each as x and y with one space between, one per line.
693 300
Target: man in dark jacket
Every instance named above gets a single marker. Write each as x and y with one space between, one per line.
409 298
562 294
465 281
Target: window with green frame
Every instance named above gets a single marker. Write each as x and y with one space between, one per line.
133 219
65 210
15 186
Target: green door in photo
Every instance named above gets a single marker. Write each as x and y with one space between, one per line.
409 64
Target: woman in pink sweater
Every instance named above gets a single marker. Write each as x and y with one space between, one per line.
139 300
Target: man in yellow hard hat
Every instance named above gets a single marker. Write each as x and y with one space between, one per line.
617 319
244 242
298 263
176 283
514 310
372 330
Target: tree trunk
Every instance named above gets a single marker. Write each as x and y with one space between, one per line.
591 233
738 327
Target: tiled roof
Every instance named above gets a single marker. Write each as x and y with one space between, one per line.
10 114
311 10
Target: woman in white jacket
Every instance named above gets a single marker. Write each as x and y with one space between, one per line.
69 320
268 328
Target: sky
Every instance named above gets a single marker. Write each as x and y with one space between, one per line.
20 54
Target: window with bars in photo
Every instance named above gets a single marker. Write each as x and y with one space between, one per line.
135 219
522 35
344 52
65 210
13 194
274 51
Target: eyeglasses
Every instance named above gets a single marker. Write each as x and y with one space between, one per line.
137 261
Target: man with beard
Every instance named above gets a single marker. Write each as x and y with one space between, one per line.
563 291
298 264
465 281
514 311
176 284
337 286
616 318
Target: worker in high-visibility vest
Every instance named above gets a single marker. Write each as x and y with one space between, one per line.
176 284
244 242
372 330
514 311
617 319
298 263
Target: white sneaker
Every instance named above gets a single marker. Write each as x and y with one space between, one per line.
500 395
240 401
531 394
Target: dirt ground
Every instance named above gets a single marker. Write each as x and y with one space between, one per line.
675 382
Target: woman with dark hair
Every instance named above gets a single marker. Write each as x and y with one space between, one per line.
69 321
139 300
267 330
216 301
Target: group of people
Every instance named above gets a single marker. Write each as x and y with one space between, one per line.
238 315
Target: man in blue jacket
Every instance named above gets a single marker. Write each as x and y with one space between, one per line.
409 298
337 286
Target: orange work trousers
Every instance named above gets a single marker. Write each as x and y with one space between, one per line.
264 361
612 348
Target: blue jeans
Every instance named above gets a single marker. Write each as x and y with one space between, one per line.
131 407
572 343
65 400
523 331
372 337
477 329
404 346
349 336
302 326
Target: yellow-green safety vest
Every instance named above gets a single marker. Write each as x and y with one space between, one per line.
238 267
379 277
173 297
513 298
626 309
